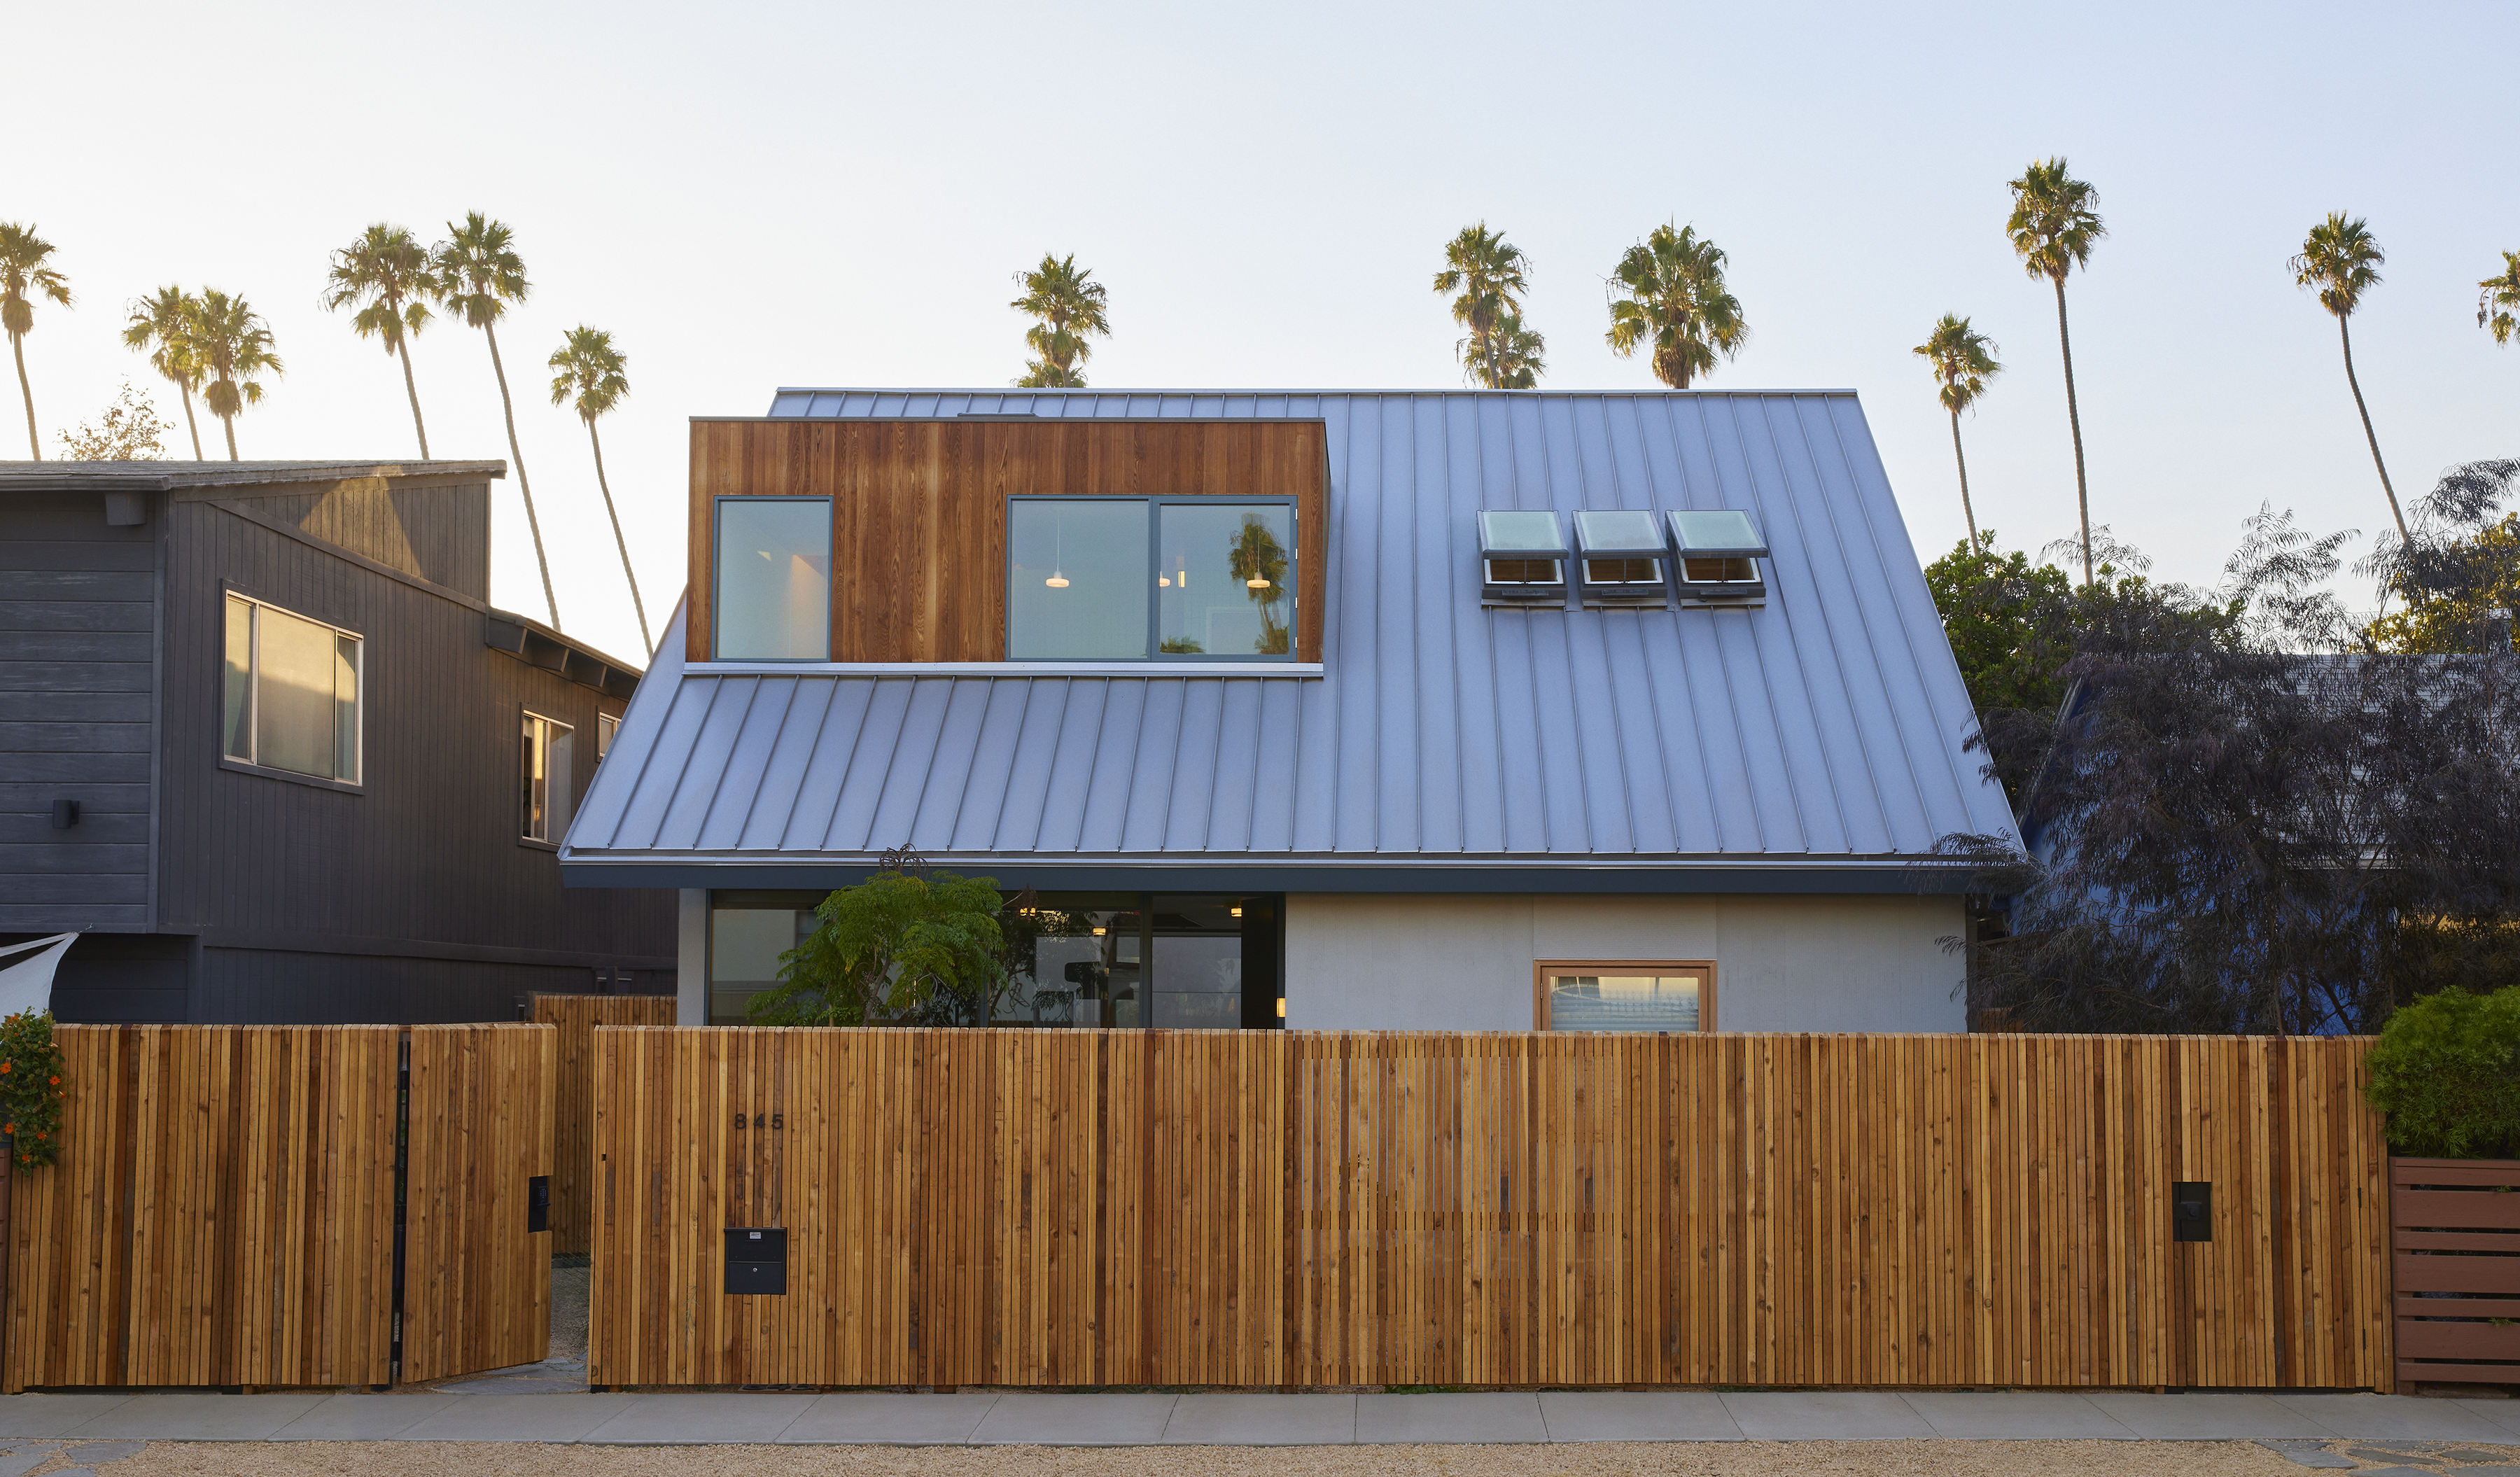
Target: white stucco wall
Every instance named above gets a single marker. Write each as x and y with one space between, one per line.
1462 962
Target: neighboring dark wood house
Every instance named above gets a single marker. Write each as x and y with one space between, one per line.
263 739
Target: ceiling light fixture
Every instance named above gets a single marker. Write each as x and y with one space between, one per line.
1057 575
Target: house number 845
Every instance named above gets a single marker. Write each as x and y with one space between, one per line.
757 1120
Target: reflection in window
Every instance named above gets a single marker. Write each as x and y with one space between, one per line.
290 696
774 579
1622 1002
746 935
1076 580
543 773
1224 575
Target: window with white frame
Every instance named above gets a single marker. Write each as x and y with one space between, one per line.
543 773
292 695
606 729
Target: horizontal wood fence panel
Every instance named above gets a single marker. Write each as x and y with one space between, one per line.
575 1017
221 1214
2470 1209
1267 1208
476 1281
2460 1210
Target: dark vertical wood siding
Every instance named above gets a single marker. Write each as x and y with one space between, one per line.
442 534
76 617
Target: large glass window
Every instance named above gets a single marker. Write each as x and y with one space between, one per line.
291 698
748 932
543 770
774 579
1107 579
1657 998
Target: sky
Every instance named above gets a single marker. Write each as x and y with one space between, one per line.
750 196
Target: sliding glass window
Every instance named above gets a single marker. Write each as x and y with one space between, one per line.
774 580
292 692
1107 579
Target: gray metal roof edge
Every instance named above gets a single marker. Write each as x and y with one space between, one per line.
1209 875
1657 394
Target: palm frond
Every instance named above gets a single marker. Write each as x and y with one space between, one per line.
2054 221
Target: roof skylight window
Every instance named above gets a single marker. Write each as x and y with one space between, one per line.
1522 556
1720 550
1620 557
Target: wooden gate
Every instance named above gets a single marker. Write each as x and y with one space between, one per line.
2456 1226
1274 1208
577 1016
223 1211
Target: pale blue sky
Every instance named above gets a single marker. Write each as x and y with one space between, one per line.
751 196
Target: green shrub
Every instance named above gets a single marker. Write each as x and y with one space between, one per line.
2447 1072
886 947
30 1086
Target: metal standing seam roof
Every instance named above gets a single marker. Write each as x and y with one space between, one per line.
1820 733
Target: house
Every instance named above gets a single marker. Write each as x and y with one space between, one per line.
1465 711
268 748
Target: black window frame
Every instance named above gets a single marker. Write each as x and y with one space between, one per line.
1153 654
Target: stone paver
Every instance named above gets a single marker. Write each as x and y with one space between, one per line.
1635 1416
97 1453
518 1417
20 1463
2378 1415
41 1414
1075 1421
2018 1414
1835 1415
363 1417
197 1416
900 1421
2502 1413
1262 1421
2206 1418
2307 1454
1478 1418
700 1419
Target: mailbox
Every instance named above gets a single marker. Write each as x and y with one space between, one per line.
2191 1211
756 1261
538 1205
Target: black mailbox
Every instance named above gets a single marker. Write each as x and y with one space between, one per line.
756 1260
2191 1211
538 1205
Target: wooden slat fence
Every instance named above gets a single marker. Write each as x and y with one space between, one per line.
2456 1243
1274 1208
223 1211
477 1284
577 1016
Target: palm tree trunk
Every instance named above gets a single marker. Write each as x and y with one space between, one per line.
229 422
2074 419
17 347
191 426
636 603
1967 511
402 351
551 602
2347 339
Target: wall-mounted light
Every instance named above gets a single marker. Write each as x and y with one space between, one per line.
1098 931
1282 1007
1234 911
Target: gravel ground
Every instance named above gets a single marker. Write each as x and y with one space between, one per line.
1755 1459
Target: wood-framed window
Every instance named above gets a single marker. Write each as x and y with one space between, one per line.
291 693
1648 997
545 786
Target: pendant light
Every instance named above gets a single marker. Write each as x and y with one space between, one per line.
1058 551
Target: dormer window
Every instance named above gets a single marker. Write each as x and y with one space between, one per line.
1522 557
1718 555
1621 558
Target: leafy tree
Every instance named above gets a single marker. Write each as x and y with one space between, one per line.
24 278
1963 360
593 377
2340 261
476 272
1070 305
886 947
164 324
2053 226
2498 301
2458 567
2004 617
232 344
385 275
1487 272
2447 1072
1675 301
129 431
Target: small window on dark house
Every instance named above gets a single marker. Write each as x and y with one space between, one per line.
543 776
292 692
1719 555
606 729
1523 556
774 580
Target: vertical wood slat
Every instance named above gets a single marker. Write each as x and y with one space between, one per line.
476 1284
575 1017
1274 1208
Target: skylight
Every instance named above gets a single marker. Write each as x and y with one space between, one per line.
1720 550
1621 556
1522 556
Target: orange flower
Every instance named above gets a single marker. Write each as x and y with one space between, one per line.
56 1082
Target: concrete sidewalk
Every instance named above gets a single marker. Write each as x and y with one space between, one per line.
1013 1418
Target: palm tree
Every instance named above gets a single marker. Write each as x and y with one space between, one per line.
476 272
593 370
1677 300
168 320
385 274
1487 271
23 273
1070 304
2053 228
231 344
2497 304
2340 261
1517 354
1963 360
